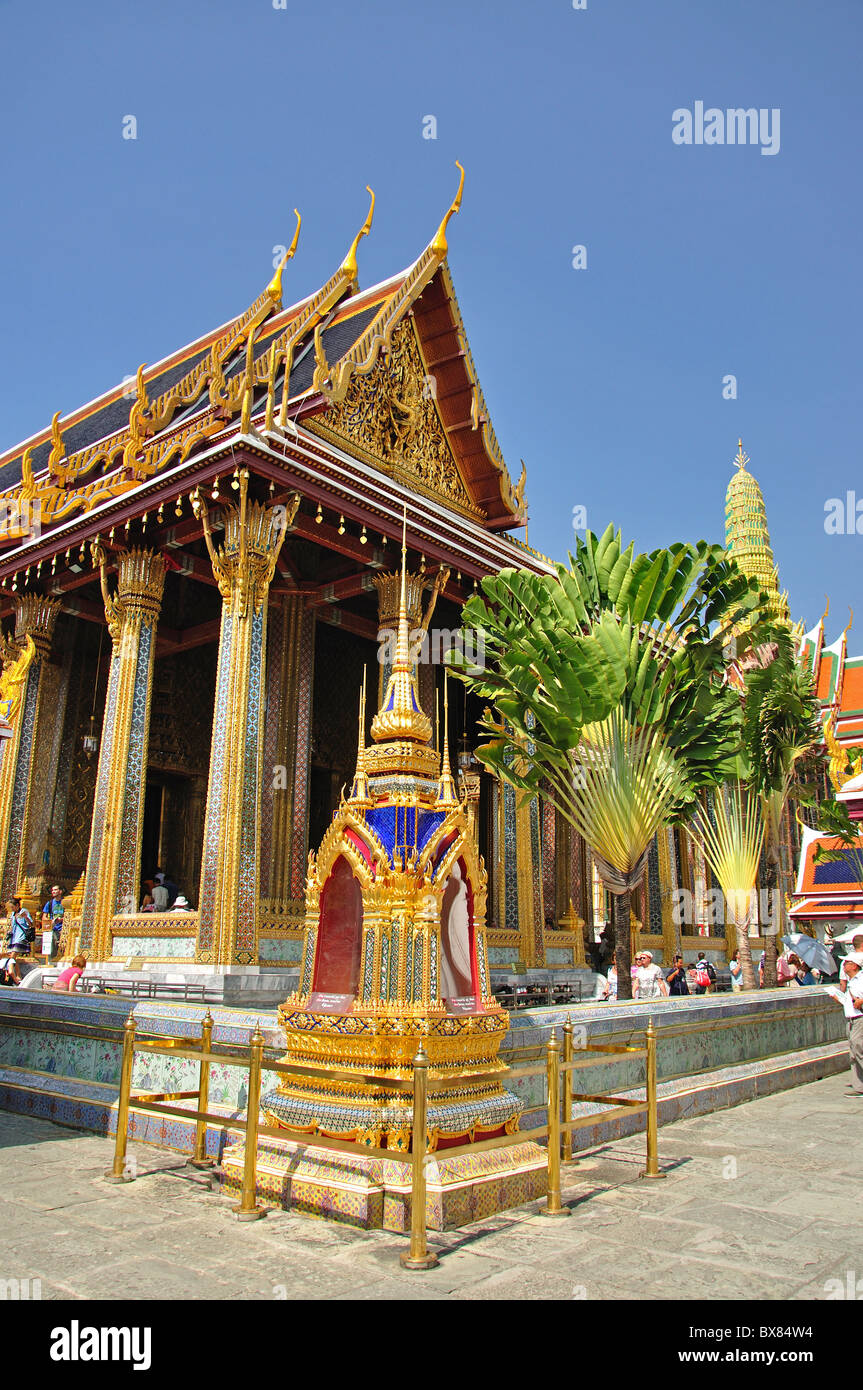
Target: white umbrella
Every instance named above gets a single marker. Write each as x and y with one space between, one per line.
811 952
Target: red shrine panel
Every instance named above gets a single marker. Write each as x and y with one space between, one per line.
337 968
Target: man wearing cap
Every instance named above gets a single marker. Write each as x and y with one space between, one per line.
852 1002
52 917
855 954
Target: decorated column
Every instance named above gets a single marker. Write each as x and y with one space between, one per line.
230 878
284 823
112 882
25 681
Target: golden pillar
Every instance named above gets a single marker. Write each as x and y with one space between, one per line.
25 659
230 878
112 882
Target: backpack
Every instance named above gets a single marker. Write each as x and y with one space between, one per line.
702 977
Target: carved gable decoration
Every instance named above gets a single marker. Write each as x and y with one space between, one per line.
389 415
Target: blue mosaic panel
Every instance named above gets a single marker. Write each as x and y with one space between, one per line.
275 948
510 887
483 970
395 948
215 791
308 962
12 866
133 805
654 891
368 966
99 801
408 962
418 969
433 967
245 946
385 956
169 947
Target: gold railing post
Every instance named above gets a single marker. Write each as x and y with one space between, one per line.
199 1159
567 1089
652 1170
553 1205
248 1209
419 1256
119 1172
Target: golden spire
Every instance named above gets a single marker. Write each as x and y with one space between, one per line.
446 792
439 244
360 796
848 625
401 715
274 288
348 266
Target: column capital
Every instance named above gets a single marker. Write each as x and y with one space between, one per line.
140 585
244 565
35 616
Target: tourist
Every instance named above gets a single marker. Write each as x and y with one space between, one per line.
67 981
676 977
52 918
856 953
181 904
147 903
9 973
611 991
21 929
852 1002
649 980
160 892
705 975
802 974
736 970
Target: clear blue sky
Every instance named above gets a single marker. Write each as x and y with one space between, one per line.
701 260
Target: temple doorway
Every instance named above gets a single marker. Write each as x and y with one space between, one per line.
174 829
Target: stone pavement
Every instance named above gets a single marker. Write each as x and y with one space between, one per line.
754 1207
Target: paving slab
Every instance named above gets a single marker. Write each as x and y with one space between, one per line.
772 1230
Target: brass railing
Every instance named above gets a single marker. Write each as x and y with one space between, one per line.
558 1128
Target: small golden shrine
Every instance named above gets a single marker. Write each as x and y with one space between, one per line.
395 949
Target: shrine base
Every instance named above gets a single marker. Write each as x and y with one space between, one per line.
374 1194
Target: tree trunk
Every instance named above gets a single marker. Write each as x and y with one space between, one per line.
747 969
622 947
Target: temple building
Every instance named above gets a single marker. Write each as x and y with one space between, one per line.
196 570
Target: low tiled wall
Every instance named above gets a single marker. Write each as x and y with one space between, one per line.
60 1055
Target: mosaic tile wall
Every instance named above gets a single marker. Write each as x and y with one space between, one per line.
168 947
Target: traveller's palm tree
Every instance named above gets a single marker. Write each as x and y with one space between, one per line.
607 680
781 728
731 842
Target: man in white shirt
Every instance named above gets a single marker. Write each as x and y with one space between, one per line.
649 982
852 1002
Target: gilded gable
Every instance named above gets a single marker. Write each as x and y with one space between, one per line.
390 416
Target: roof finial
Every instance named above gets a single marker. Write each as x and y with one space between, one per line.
274 288
826 610
349 265
360 795
401 714
446 792
742 459
848 625
439 244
